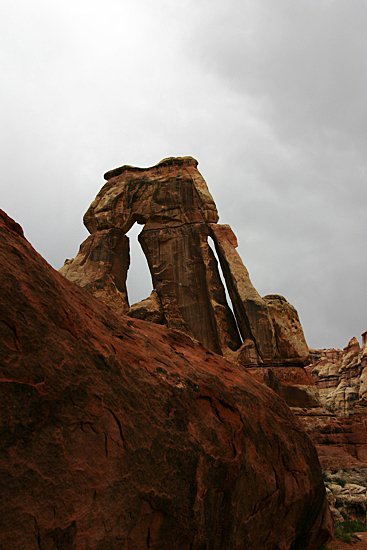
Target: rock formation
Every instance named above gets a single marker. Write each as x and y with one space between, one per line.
179 216
347 499
101 267
119 433
341 377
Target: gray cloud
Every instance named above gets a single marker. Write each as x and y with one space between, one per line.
270 97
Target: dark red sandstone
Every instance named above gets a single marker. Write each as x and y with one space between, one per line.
122 434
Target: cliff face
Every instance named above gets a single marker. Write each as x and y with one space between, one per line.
341 377
118 433
171 200
338 427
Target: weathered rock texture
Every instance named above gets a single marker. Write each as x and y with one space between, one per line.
179 216
341 442
250 309
338 425
122 434
101 267
149 309
341 377
347 494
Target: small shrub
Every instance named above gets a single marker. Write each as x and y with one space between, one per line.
353 526
339 481
343 530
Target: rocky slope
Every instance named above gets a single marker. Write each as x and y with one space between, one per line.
117 433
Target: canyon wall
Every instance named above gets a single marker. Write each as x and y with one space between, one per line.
339 426
341 377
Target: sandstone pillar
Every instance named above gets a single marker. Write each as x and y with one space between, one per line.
101 267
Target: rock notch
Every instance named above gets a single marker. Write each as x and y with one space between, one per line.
172 201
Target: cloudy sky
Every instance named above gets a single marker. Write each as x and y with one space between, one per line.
269 95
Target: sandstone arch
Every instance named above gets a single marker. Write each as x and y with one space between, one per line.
172 202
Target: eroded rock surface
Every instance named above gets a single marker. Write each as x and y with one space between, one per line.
149 309
101 267
118 433
291 343
341 442
250 309
341 377
347 499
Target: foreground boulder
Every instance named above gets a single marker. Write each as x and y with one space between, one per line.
122 434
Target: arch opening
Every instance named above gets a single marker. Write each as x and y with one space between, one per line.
223 281
139 281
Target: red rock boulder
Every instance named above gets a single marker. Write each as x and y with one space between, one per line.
122 434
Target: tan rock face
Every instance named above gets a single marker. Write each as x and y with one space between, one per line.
347 500
250 309
179 215
291 343
149 309
101 267
166 195
340 376
122 434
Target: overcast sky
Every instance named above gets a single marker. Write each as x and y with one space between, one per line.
269 96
